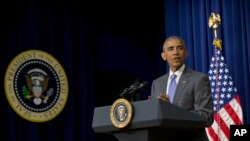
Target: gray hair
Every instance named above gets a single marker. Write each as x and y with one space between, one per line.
174 37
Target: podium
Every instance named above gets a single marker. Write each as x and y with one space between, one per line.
153 120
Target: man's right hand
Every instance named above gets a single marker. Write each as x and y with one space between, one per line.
164 97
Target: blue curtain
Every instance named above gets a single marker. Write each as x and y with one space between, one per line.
189 19
103 48
66 35
86 49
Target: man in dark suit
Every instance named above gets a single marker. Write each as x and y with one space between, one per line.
192 90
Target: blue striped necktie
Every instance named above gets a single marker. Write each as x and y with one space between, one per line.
172 87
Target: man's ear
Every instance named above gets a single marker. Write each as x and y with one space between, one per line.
163 56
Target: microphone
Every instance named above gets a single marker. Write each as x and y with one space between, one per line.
127 90
139 88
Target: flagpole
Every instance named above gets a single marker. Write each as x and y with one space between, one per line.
226 102
213 22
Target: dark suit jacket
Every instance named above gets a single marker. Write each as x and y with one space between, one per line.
193 93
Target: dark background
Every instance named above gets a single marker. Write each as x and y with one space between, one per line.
129 39
105 46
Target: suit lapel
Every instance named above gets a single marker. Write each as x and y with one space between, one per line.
184 80
164 83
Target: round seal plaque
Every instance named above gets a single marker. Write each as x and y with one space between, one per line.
121 113
36 86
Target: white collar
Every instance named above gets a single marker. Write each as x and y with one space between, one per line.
178 72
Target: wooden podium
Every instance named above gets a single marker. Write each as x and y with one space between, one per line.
153 120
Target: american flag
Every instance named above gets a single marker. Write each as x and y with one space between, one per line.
226 101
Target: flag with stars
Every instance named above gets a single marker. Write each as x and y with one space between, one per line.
226 100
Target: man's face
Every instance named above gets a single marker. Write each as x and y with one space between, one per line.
174 53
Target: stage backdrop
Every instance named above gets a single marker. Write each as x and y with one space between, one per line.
104 47
62 32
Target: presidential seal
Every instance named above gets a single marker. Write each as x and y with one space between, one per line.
121 113
36 86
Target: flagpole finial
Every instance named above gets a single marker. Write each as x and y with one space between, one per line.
213 22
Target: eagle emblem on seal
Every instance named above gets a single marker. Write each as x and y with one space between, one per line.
37 83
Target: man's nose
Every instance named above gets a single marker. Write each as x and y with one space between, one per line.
176 51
